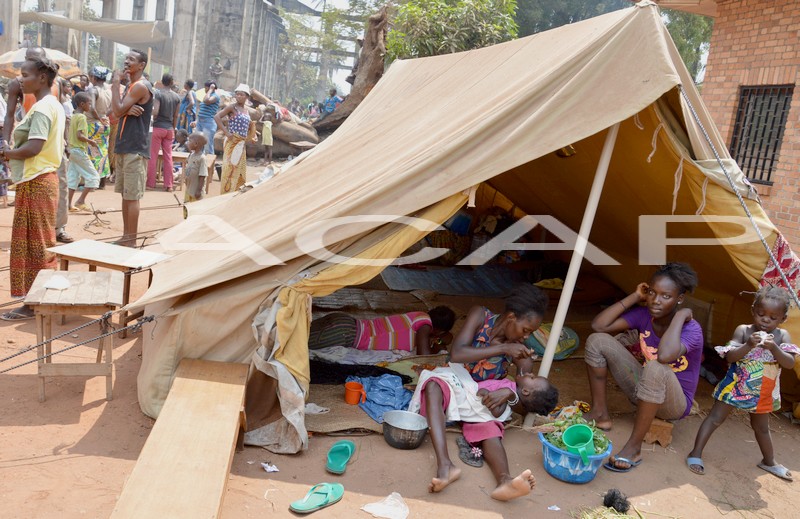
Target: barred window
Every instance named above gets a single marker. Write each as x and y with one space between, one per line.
758 130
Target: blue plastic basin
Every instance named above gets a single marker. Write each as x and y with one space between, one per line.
569 467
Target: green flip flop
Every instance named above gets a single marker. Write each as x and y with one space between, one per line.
320 496
338 456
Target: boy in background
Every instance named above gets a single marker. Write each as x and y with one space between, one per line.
80 163
196 172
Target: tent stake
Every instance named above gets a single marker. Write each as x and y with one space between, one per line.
577 255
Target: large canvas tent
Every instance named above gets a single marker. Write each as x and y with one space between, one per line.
240 284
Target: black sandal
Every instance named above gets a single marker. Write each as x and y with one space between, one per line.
472 456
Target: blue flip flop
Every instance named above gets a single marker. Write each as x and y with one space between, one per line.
338 456
609 465
320 496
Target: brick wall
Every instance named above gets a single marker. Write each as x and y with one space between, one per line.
757 42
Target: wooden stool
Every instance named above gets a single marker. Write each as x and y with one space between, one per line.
89 293
115 257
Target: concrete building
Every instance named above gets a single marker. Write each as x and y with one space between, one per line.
752 70
9 15
244 34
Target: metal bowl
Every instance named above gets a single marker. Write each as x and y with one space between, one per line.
404 430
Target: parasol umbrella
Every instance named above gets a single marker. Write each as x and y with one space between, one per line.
11 61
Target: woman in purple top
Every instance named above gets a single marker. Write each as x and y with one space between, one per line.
659 368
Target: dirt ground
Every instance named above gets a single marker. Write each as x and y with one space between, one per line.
69 456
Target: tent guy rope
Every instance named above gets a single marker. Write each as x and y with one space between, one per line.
105 317
739 196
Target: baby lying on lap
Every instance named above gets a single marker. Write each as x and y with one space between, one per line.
449 394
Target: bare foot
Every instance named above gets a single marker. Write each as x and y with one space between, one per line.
517 487
601 420
444 478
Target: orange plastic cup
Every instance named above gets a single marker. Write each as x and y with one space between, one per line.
354 392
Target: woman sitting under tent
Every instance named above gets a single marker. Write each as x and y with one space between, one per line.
420 332
488 343
656 361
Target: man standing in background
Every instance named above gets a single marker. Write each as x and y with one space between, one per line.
132 144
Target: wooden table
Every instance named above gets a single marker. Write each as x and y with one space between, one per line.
115 257
181 157
89 293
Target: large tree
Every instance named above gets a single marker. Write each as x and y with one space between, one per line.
692 36
431 27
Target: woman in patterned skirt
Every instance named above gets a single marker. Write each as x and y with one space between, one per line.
37 152
240 129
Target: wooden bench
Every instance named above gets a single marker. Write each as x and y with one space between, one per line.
184 465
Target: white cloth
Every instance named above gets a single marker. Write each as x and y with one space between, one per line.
344 355
392 507
465 405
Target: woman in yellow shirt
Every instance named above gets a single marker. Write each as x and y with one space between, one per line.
37 152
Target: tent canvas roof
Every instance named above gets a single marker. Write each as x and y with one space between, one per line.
435 127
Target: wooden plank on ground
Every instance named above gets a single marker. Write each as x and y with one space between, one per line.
183 468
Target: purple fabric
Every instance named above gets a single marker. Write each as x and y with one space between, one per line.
687 367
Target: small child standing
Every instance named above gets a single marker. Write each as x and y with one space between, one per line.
195 172
266 137
450 394
757 352
80 164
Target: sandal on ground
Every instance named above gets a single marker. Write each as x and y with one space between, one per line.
14 315
611 464
470 455
83 207
777 470
692 462
338 456
63 237
320 496
74 210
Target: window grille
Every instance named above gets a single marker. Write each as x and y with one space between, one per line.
758 130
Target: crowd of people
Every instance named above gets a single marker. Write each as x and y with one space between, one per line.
63 136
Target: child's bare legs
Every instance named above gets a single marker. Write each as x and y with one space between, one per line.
446 472
597 388
760 425
70 194
719 413
508 488
82 198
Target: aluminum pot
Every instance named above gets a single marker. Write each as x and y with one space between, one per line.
404 430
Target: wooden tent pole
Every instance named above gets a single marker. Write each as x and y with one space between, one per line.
577 256
580 250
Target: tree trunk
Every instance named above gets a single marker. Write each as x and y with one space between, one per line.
367 70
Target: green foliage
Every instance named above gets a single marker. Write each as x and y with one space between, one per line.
600 438
692 36
313 46
93 56
431 27
541 15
